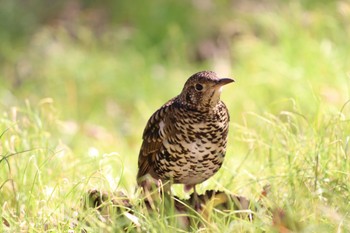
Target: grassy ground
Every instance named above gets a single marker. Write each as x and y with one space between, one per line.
78 87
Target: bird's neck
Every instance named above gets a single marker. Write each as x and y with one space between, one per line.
206 107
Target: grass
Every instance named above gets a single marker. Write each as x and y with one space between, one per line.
74 103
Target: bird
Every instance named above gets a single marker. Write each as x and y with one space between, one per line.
185 140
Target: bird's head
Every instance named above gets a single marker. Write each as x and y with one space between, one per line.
202 90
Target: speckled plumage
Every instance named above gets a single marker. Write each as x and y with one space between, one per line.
185 140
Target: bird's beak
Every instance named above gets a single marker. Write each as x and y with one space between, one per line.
224 81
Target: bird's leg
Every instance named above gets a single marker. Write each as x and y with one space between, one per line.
164 188
196 202
150 190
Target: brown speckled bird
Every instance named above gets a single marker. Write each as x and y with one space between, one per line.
185 140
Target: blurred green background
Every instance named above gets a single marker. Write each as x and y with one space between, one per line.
83 77
106 67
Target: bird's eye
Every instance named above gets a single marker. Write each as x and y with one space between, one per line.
198 87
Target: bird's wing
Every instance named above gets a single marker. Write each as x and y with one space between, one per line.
153 136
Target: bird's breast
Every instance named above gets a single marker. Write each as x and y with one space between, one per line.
196 148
